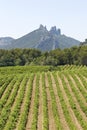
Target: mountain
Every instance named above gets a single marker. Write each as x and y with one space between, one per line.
44 40
5 41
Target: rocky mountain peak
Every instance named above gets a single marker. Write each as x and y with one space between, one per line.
40 38
54 30
42 27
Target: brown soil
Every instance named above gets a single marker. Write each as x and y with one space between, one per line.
30 116
40 113
52 125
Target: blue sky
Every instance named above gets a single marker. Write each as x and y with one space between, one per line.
19 17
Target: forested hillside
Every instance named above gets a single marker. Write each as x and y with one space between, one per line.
14 57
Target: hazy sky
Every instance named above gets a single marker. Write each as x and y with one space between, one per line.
19 17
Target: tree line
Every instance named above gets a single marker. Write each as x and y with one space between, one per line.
21 57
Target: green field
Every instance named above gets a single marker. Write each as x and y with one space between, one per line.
43 98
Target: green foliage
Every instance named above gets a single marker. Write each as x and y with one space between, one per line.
23 57
24 69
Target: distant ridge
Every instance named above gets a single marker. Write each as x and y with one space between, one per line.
5 41
42 39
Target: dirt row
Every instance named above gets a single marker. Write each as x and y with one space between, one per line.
52 125
72 115
30 115
40 111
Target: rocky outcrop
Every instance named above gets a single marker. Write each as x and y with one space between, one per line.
54 30
43 28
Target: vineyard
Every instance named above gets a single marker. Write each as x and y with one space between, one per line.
39 99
